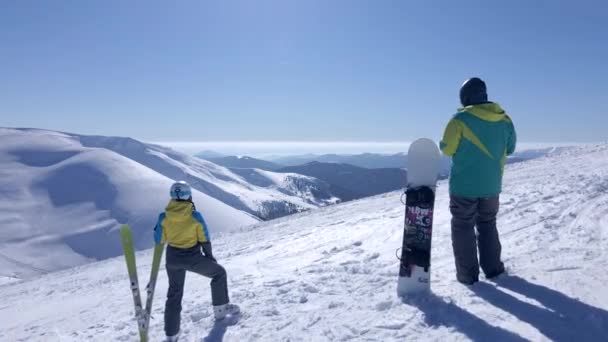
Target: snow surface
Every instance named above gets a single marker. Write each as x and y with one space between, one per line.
331 274
310 189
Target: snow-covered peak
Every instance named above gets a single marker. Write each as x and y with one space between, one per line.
214 180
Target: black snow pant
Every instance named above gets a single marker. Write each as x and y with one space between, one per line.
466 214
178 262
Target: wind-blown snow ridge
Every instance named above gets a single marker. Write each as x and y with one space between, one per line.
330 275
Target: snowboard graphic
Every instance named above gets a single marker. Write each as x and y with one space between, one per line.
423 168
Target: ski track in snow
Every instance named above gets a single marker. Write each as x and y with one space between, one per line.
331 274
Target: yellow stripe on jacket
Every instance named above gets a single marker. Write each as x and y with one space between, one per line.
181 226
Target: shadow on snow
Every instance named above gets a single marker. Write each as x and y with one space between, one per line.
562 319
437 312
219 329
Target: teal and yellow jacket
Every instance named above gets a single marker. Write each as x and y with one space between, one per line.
181 226
478 138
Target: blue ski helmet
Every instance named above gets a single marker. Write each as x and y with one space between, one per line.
473 91
180 191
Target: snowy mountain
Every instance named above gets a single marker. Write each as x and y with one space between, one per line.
265 202
352 182
243 162
331 274
343 181
314 191
209 154
61 202
62 196
365 160
270 163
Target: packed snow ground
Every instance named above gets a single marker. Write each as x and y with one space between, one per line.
331 274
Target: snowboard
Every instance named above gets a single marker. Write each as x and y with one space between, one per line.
422 170
142 315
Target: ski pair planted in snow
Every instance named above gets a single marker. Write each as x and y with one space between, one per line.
141 314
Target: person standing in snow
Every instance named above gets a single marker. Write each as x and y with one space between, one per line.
478 138
186 233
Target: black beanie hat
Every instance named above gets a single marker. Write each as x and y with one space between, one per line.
473 91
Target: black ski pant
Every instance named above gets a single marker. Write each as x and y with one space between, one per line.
178 262
468 213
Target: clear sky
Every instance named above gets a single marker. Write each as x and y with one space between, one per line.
352 71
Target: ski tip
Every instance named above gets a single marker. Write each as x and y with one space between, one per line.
125 230
126 235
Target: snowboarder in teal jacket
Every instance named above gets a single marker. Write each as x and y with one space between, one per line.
478 138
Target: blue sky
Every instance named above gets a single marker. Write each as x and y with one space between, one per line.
352 71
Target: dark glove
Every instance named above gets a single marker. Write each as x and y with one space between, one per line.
206 246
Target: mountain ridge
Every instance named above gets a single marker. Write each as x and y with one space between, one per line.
83 187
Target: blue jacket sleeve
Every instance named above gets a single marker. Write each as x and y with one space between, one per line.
158 229
512 139
201 220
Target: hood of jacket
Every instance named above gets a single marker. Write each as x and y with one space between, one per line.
179 210
490 111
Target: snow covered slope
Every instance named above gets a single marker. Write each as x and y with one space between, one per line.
218 181
61 202
312 191
331 274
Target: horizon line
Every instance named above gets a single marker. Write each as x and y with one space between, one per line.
353 142
287 148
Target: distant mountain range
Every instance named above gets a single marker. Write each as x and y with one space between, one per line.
345 181
366 160
279 196
350 182
209 154
348 177
243 163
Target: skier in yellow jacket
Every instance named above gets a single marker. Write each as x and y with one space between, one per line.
186 233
